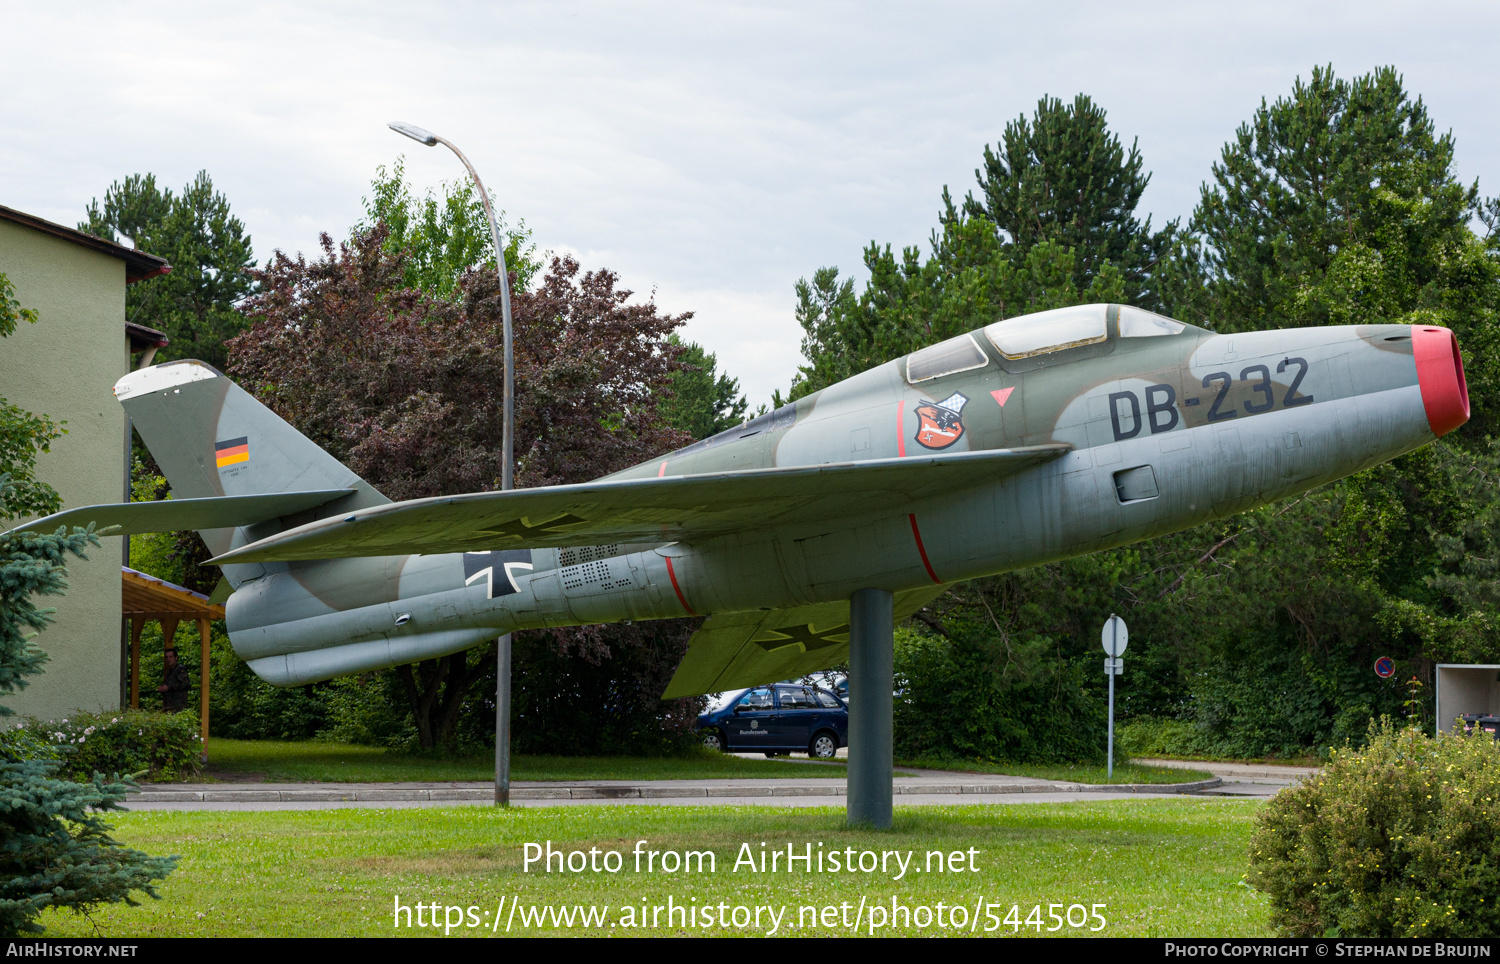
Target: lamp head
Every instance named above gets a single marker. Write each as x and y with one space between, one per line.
414 132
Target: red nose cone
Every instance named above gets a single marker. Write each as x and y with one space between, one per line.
1440 374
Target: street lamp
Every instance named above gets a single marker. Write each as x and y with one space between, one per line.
507 453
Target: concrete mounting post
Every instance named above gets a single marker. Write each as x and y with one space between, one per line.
872 626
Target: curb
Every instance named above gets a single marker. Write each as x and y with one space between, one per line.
637 792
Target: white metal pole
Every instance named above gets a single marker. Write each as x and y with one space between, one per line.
1114 645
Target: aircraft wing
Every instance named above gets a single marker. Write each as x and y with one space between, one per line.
222 512
735 650
672 509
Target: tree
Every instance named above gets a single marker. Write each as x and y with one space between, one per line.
703 401
443 238
55 850
1338 205
405 388
195 304
1063 177
1053 226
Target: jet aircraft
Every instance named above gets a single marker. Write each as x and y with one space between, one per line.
1033 439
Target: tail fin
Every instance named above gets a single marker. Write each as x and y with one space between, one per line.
212 439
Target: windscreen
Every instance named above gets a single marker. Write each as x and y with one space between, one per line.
1049 330
1135 323
954 355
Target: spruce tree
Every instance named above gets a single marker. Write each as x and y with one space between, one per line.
55 849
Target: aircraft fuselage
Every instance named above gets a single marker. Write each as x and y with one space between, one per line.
1168 429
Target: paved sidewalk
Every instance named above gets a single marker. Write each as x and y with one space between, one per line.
930 787
1242 779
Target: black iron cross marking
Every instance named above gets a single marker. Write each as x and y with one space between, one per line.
805 636
482 565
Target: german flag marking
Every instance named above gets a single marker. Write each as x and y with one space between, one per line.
232 451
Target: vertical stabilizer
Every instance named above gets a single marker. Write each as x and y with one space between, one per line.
211 438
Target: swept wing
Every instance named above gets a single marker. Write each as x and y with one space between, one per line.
675 508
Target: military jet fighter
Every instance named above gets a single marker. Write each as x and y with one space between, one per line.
1033 439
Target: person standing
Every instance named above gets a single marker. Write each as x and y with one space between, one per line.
175 684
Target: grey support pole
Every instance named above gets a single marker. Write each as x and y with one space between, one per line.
502 724
507 447
872 626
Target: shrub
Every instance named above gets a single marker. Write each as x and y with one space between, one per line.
245 707
1400 839
1151 736
163 746
966 698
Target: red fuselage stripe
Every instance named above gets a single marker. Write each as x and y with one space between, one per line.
901 438
916 534
661 471
672 575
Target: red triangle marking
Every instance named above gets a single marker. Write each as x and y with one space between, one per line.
1002 395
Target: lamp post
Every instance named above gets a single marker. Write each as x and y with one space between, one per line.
507 452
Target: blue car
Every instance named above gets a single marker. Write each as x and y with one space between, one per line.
776 720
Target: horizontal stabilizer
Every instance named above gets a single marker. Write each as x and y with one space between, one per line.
220 512
734 650
675 508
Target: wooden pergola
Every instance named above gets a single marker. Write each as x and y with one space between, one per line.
145 598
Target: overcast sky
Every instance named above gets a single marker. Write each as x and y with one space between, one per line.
713 153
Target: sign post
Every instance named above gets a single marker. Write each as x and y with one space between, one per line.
1114 639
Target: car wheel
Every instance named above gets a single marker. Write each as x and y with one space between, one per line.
824 746
713 740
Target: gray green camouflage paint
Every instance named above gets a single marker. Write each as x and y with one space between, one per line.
877 482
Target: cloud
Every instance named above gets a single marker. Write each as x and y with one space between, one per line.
716 152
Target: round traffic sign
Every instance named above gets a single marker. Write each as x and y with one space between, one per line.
1385 667
1114 636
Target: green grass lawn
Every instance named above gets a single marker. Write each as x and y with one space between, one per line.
276 761
1161 868
1074 773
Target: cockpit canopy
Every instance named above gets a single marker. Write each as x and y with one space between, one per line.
1027 336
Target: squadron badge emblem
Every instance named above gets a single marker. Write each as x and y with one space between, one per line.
941 422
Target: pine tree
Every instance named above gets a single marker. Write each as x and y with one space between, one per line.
1053 226
1063 177
1338 205
704 401
195 304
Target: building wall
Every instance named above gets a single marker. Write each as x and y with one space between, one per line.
65 366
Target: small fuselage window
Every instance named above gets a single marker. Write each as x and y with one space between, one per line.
959 354
1136 323
1048 331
